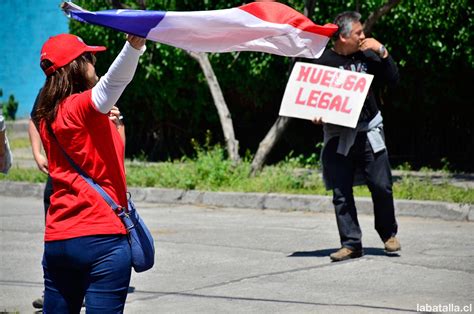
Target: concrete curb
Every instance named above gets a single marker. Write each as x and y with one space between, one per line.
285 202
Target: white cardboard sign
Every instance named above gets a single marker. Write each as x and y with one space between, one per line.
334 94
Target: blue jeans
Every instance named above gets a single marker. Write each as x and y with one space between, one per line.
95 267
376 170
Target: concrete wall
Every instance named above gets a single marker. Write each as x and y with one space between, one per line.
24 26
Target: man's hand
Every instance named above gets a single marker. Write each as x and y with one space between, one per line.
317 120
136 42
373 44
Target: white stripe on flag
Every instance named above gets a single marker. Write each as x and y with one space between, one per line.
235 30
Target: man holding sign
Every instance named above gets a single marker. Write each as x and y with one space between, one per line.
350 153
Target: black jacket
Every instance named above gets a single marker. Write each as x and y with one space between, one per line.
385 73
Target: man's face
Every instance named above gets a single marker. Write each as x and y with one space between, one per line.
353 41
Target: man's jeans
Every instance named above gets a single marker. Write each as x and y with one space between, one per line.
95 267
339 170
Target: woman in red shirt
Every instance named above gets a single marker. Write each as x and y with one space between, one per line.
86 253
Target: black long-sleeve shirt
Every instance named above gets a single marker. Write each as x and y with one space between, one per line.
385 72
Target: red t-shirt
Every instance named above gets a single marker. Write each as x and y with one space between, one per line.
93 142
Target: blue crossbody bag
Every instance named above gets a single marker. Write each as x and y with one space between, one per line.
140 239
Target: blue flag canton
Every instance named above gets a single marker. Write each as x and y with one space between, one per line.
123 20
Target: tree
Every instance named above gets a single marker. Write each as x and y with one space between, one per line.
377 14
169 103
224 114
10 107
202 59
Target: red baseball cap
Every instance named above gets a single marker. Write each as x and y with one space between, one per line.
64 48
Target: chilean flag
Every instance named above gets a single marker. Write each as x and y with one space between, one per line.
269 27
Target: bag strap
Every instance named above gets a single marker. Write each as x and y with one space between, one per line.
119 210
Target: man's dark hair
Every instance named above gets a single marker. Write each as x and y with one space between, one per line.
344 21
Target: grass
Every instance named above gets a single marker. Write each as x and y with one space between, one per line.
24 175
223 177
20 142
210 170
413 188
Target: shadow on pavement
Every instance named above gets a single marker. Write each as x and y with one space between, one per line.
326 252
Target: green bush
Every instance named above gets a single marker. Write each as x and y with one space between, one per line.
10 107
210 170
24 175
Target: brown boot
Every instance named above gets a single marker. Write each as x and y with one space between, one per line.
392 245
345 253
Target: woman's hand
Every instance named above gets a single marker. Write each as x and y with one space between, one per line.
42 163
136 42
115 116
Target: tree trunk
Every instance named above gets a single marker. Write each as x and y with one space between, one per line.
265 146
309 6
280 125
224 114
117 4
377 14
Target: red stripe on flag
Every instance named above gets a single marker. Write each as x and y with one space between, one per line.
275 12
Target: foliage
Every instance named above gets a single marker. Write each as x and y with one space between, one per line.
303 161
169 103
433 44
24 175
19 142
210 170
411 188
445 27
9 108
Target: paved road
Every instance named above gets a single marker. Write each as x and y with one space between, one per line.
228 260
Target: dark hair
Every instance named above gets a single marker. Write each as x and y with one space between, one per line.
344 21
70 79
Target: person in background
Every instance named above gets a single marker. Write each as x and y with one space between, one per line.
359 156
39 157
5 151
86 252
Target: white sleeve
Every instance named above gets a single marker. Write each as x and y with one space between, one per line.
3 125
110 86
